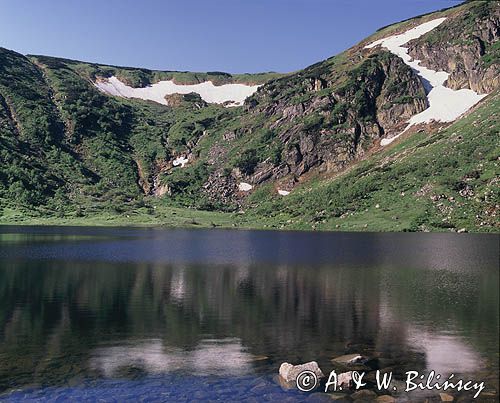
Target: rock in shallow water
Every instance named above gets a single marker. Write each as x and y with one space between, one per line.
339 397
364 395
445 397
350 359
345 380
289 372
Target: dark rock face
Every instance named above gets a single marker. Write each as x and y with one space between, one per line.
324 118
332 119
177 100
464 46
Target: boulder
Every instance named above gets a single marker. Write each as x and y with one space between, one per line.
339 397
289 372
286 386
445 397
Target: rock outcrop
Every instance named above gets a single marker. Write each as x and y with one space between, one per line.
332 118
466 46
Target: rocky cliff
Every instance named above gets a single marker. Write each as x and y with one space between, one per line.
336 114
465 45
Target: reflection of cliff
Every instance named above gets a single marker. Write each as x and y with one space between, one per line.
59 320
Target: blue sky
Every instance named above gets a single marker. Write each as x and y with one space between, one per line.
199 35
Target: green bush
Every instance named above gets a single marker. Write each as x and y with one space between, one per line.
247 161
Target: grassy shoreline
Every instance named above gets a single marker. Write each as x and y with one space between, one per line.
190 219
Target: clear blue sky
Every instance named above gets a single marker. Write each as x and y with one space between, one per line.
199 35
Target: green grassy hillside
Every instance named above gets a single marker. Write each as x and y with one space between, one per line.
72 154
427 182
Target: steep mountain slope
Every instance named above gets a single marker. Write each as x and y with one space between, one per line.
445 180
69 149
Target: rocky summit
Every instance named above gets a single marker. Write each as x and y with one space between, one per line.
330 147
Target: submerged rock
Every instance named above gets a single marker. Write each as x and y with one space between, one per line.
445 397
364 395
385 399
339 397
344 380
349 359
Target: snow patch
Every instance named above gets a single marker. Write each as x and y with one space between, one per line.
182 161
283 192
234 94
445 104
245 187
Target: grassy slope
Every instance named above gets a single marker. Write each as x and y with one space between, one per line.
89 147
416 185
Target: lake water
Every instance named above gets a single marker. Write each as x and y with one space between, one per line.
123 314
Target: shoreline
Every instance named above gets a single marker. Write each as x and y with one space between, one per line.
237 226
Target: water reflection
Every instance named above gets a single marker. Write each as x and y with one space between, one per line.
446 353
220 357
145 307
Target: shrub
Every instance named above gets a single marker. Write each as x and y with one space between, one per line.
247 161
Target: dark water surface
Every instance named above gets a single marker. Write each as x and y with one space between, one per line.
126 314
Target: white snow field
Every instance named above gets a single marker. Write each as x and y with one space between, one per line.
244 187
445 104
215 94
283 192
180 161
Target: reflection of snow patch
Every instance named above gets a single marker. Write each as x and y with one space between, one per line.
445 353
445 104
226 357
178 285
245 187
235 94
283 192
180 161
